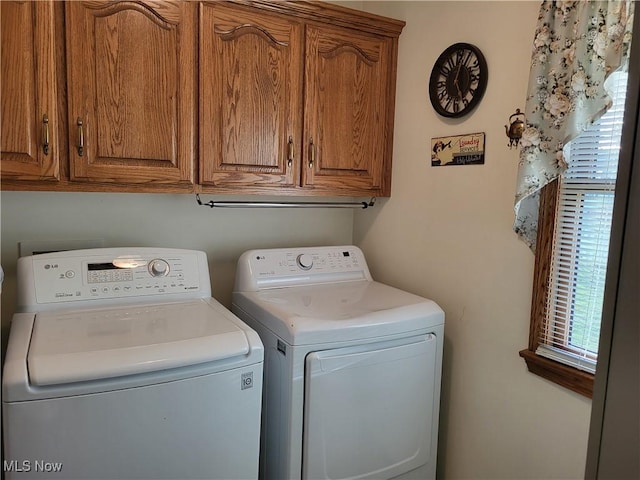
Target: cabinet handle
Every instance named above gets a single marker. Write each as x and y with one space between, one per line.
290 153
80 138
312 153
45 134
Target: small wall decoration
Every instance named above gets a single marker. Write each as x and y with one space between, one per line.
515 128
459 150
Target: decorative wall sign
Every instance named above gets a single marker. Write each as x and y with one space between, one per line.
458 150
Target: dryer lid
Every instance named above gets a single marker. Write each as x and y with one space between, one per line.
313 314
76 346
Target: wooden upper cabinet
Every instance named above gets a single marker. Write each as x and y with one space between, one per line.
250 97
240 97
131 91
30 150
297 95
346 116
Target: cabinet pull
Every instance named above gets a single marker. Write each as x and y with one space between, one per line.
312 153
80 138
290 153
45 134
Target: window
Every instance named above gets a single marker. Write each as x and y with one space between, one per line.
573 243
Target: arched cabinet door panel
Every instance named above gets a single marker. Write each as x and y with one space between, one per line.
30 150
132 91
250 97
347 89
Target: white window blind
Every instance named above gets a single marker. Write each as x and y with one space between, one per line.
571 330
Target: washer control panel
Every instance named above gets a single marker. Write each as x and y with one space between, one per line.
101 274
272 268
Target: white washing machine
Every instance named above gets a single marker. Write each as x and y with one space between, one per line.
120 365
352 366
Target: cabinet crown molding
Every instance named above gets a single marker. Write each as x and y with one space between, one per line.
330 13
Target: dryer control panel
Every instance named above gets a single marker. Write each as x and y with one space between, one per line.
274 268
111 273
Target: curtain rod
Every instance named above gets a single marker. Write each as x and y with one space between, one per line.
261 204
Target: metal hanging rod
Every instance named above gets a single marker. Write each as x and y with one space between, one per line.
261 204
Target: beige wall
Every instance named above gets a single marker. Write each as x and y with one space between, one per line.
446 234
160 220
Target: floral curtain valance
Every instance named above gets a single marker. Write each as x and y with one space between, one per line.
577 45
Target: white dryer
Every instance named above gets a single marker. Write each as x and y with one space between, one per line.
352 366
120 365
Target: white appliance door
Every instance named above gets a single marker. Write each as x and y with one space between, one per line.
369 409
206 427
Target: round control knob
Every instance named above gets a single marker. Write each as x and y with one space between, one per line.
305 262
158 268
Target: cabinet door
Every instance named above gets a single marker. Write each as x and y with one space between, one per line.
250 97
131 85
28 89
346 119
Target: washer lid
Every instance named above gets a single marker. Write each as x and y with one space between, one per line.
346 311
83 345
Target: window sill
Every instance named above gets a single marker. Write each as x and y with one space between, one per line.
569 377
